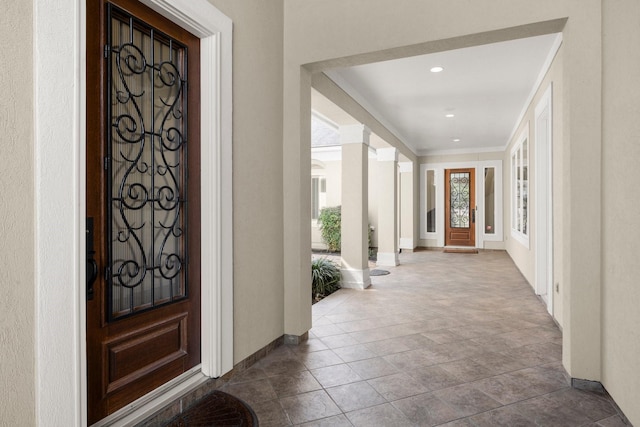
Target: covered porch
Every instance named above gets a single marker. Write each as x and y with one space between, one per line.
444 338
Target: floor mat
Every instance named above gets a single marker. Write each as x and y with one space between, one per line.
460 251
216 409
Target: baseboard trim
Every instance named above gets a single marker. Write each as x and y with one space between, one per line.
295 339
387 259
587 385
597 387
406 243
355 279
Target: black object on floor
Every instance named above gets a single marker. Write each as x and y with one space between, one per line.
217 409
376 272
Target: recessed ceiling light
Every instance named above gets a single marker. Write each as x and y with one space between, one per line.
456 139
436 69
449 115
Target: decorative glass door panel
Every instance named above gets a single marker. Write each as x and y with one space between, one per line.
460 214
147 148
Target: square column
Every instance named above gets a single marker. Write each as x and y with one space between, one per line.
407 216
387 207
355 176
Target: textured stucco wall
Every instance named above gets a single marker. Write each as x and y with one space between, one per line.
257 172
17 398
621 205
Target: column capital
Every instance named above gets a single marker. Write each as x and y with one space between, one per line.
405 167
354 134
389 154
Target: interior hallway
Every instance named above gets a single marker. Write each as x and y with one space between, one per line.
445 339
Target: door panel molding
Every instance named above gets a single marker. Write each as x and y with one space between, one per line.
126 353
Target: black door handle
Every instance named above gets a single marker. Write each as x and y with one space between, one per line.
92 265
92 275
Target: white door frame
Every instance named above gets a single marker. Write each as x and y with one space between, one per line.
544 198
59 36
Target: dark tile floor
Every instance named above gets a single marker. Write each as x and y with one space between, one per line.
445 339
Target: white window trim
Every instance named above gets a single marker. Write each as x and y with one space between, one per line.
519 236
60 185
544 200
498 235
424 234
319 175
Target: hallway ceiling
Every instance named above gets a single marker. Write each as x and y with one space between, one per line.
485 87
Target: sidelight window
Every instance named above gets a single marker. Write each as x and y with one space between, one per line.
430 200
520 188
318 195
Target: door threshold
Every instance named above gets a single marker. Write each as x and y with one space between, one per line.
141 409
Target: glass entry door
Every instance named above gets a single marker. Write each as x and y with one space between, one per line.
460 207
143 198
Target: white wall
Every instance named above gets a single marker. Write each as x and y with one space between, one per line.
257 173
621 205
17 325
524 257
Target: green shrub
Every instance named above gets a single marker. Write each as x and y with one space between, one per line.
329 221
325 277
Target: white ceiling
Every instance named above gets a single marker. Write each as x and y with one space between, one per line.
486 88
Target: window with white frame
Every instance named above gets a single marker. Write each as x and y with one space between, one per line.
430 200
520 188
318 195
489 200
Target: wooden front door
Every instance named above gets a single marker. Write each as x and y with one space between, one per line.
143 186
460 207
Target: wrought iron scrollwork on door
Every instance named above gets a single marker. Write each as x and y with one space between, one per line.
460 199
146 166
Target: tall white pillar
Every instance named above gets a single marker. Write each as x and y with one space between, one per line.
387 207
355 176
407 210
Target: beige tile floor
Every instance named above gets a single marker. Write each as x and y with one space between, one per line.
444 339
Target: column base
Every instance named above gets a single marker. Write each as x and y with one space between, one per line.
355 279
387 259
406 243
295 339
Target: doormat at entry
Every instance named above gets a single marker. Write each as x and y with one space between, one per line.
216 409
460 251
376 272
